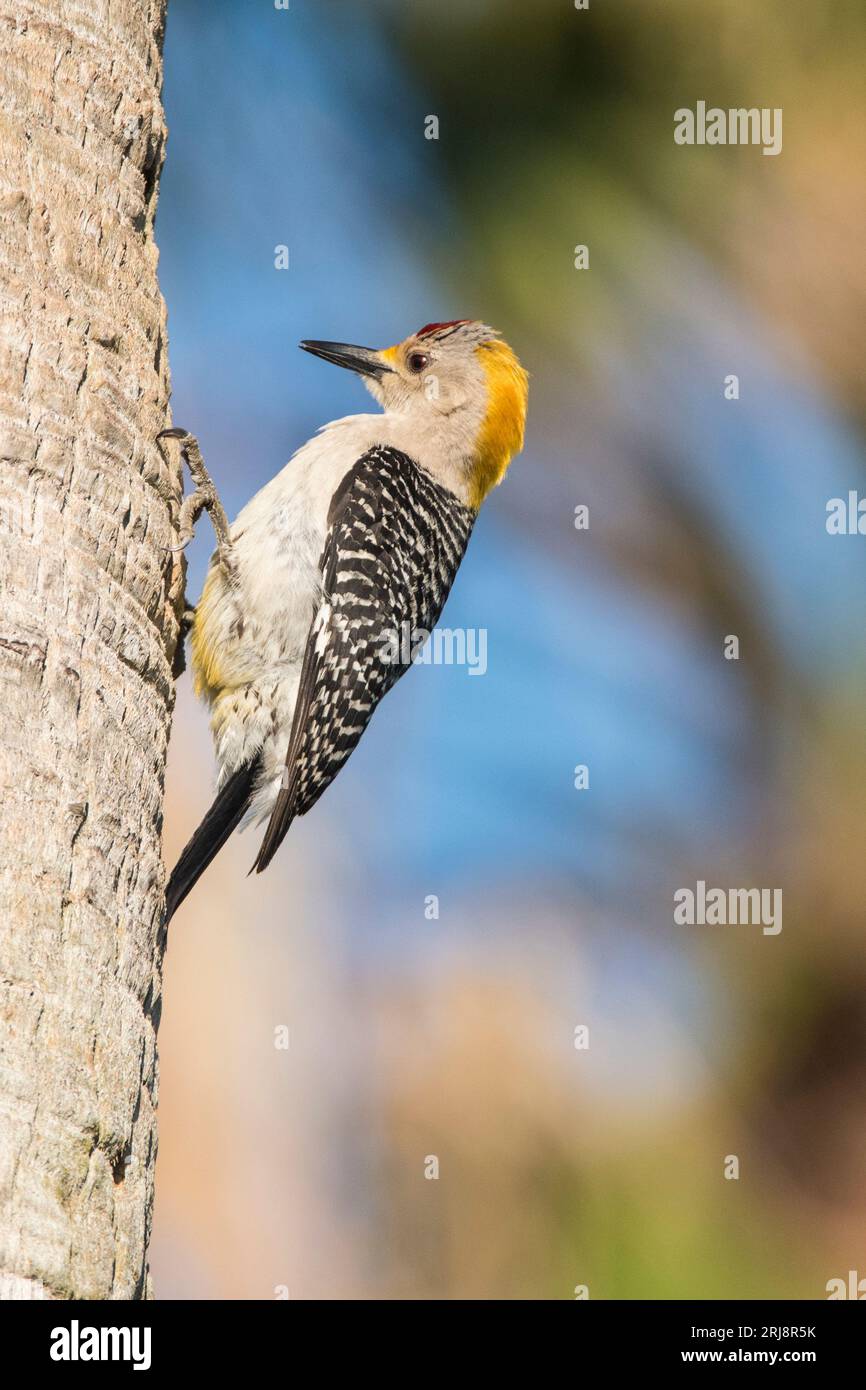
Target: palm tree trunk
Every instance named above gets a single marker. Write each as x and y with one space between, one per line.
88 628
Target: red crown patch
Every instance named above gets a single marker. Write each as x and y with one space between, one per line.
430 328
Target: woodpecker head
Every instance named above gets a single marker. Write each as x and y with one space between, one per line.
457 385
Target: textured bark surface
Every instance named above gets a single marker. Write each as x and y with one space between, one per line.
87 635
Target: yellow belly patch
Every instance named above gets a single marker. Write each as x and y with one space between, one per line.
207 640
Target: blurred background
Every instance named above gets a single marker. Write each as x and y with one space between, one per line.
413 1035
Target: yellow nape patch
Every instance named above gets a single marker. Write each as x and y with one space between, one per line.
501 434
205 646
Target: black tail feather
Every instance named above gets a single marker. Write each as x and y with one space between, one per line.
222 818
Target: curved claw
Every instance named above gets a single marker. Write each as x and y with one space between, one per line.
204 498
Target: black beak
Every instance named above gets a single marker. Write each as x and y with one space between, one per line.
366 361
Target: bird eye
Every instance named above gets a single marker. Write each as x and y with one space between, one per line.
417 361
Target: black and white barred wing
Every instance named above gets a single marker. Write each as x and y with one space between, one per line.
394 544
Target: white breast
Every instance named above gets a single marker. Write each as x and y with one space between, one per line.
259 625
279 535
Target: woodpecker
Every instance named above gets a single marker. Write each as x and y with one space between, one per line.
361 533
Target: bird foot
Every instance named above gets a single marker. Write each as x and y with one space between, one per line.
204 498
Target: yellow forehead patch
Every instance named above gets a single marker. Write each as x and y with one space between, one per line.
501 433
390 354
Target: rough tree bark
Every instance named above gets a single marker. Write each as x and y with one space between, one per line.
88 627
